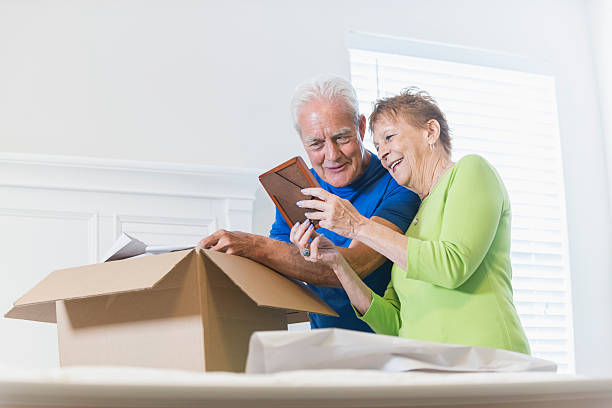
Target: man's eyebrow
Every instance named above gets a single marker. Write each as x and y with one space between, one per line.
342 132
311 139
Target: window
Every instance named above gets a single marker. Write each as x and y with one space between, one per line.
510 118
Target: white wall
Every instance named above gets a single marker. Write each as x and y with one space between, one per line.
209 82
599 14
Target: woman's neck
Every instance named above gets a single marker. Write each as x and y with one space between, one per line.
433 170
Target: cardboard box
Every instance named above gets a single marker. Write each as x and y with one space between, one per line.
193 310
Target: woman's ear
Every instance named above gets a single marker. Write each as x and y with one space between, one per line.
362 126
433 131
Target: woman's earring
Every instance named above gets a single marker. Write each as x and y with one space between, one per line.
431 147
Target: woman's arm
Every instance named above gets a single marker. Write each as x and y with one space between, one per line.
382 314
322 250
358 292
384 240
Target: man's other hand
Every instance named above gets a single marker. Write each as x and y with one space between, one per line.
230 242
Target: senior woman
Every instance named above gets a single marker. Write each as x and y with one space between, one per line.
451 279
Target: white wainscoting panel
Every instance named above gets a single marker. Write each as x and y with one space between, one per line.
58 212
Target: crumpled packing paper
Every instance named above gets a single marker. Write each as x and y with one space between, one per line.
276 351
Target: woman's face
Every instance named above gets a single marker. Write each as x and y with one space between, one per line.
402 148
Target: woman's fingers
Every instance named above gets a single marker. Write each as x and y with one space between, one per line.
313 204
317 192
316 215
293 232
305 237
314 247
300 236
297 231
303 242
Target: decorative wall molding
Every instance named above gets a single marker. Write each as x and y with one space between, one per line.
91 218
127 176
173 230
122 219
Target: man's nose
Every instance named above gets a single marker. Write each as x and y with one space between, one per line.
332 151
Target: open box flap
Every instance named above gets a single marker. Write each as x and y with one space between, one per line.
39 312
267 287
94 280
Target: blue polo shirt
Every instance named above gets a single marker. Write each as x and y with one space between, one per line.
375 193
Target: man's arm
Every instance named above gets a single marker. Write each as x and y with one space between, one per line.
286 259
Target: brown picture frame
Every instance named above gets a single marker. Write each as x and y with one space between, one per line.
283 184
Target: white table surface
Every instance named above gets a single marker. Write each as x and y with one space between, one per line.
141 387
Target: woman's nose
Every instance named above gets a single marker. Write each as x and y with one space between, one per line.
383 153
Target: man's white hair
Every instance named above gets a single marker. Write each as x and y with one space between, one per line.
329 88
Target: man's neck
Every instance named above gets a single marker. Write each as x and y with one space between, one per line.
364 163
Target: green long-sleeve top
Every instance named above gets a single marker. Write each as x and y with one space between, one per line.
456 287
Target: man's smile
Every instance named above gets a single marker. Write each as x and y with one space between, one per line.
336 168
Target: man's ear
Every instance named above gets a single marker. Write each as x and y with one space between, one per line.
362 126
433 131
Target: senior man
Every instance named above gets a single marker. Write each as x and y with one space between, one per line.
326 116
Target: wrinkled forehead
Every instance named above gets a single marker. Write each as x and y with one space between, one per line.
322 112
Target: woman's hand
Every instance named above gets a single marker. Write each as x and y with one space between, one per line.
335 214
320 249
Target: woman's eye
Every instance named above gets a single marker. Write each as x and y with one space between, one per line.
388 137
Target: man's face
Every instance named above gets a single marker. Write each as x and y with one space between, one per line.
332 141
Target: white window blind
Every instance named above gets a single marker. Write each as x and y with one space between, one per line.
510 118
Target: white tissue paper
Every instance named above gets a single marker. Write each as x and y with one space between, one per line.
276 351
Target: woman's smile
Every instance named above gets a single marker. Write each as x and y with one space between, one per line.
395 164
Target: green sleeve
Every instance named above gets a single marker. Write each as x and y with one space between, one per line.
383 316
470 220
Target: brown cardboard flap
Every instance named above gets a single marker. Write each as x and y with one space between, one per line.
297 317
267 287
40 312
100 279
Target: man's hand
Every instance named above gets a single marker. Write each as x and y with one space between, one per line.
230 242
